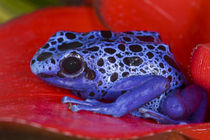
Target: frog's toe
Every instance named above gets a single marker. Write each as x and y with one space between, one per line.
161 118
67 99
100 108
88 102
93 101
75 108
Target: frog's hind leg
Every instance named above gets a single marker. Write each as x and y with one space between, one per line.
141 93
199 115
161 118
189 105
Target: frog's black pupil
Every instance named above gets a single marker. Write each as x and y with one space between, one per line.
71 65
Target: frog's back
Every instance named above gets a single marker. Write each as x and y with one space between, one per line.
119 55
115 56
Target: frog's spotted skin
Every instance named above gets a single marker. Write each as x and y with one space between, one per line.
106 58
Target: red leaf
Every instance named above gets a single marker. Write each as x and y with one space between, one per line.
26 99
181 23
201 66
199 132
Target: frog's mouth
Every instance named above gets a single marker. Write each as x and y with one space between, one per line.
79 83
44 75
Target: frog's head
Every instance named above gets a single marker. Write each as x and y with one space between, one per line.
59 62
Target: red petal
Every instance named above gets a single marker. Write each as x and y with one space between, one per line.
26 99
179 22
201 65
199 132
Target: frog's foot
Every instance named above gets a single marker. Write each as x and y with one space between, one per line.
131 100
88 104
147 113
189 104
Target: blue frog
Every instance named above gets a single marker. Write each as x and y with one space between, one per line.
134 71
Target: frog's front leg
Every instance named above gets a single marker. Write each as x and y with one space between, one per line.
189 105
142 90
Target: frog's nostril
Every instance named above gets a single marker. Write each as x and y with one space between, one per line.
33 61
44 75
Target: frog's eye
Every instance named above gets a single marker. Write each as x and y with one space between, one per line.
72 66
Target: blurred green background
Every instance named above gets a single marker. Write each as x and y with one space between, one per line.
13 8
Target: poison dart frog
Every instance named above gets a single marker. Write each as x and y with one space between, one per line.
133 70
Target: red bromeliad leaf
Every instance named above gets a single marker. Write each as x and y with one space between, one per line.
199 132
26 99
181 23
200 68
201 65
